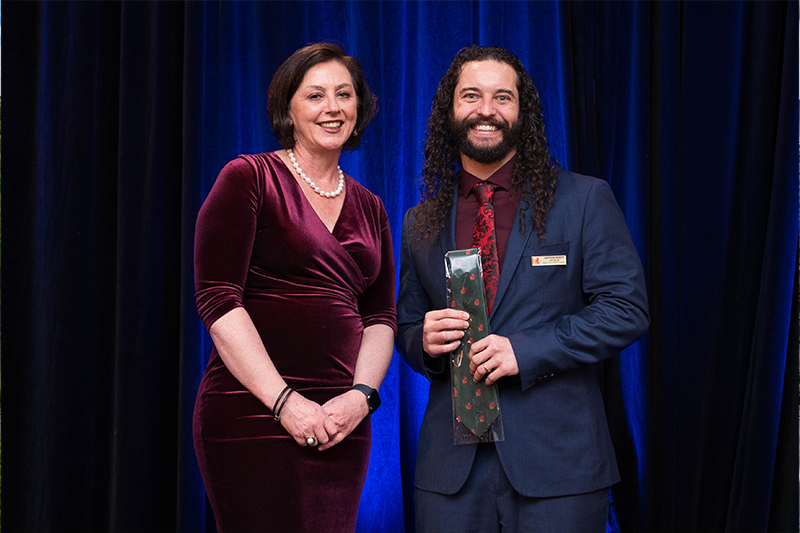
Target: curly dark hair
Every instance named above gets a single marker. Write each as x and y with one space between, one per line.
534 174
290 74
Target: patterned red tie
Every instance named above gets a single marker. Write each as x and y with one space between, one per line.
484 237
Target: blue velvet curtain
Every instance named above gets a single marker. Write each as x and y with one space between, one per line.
120 115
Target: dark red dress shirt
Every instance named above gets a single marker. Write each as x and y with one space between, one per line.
505 207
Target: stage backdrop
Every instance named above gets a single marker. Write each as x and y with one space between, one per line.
120 115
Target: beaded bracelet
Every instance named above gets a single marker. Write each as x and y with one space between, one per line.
277 414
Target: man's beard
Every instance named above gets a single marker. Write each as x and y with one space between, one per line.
485 154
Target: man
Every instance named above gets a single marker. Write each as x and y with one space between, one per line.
570 294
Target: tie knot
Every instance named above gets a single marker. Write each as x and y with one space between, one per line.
485 191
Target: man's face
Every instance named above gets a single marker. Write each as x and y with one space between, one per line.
486 111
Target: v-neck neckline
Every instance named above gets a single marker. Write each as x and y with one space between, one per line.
331 230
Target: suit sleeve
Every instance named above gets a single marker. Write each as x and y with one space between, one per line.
412 304
613 284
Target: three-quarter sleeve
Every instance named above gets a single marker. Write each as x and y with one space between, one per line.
377 303
224 234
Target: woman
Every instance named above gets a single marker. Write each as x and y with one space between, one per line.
295 282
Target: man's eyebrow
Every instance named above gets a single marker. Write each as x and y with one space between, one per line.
468 89
478 90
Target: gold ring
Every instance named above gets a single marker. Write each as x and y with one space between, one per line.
486 369
311 441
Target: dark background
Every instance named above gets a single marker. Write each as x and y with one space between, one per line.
120 115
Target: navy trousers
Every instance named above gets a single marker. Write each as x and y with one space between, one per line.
487 503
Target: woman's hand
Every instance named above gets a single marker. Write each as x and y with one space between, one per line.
346 411
303 418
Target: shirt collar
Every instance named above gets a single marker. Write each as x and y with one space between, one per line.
501 178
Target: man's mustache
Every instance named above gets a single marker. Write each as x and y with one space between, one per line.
497 123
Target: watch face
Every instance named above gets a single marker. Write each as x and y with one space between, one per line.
374 401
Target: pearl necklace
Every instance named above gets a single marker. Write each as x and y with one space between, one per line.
313 185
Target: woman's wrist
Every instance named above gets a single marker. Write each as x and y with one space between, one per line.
359 402
280 401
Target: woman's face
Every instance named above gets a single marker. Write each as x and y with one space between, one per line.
323 109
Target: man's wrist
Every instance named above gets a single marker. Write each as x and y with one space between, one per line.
434 365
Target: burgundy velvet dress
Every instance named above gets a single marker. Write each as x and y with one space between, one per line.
310 292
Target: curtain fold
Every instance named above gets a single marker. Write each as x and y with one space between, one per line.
120 116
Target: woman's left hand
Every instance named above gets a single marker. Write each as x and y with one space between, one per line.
347 411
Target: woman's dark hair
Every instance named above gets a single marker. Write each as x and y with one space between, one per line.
290 74
533 167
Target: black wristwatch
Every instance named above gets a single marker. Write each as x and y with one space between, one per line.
373 400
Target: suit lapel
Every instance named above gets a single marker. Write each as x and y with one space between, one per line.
516 243
447 238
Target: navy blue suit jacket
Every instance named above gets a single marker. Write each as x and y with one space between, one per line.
562 321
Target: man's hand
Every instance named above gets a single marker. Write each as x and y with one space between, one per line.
492 358
442 331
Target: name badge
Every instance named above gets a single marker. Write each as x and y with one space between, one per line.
548 260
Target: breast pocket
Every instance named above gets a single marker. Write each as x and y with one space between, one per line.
548 270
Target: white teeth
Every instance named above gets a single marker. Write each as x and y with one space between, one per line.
485 127
331 124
